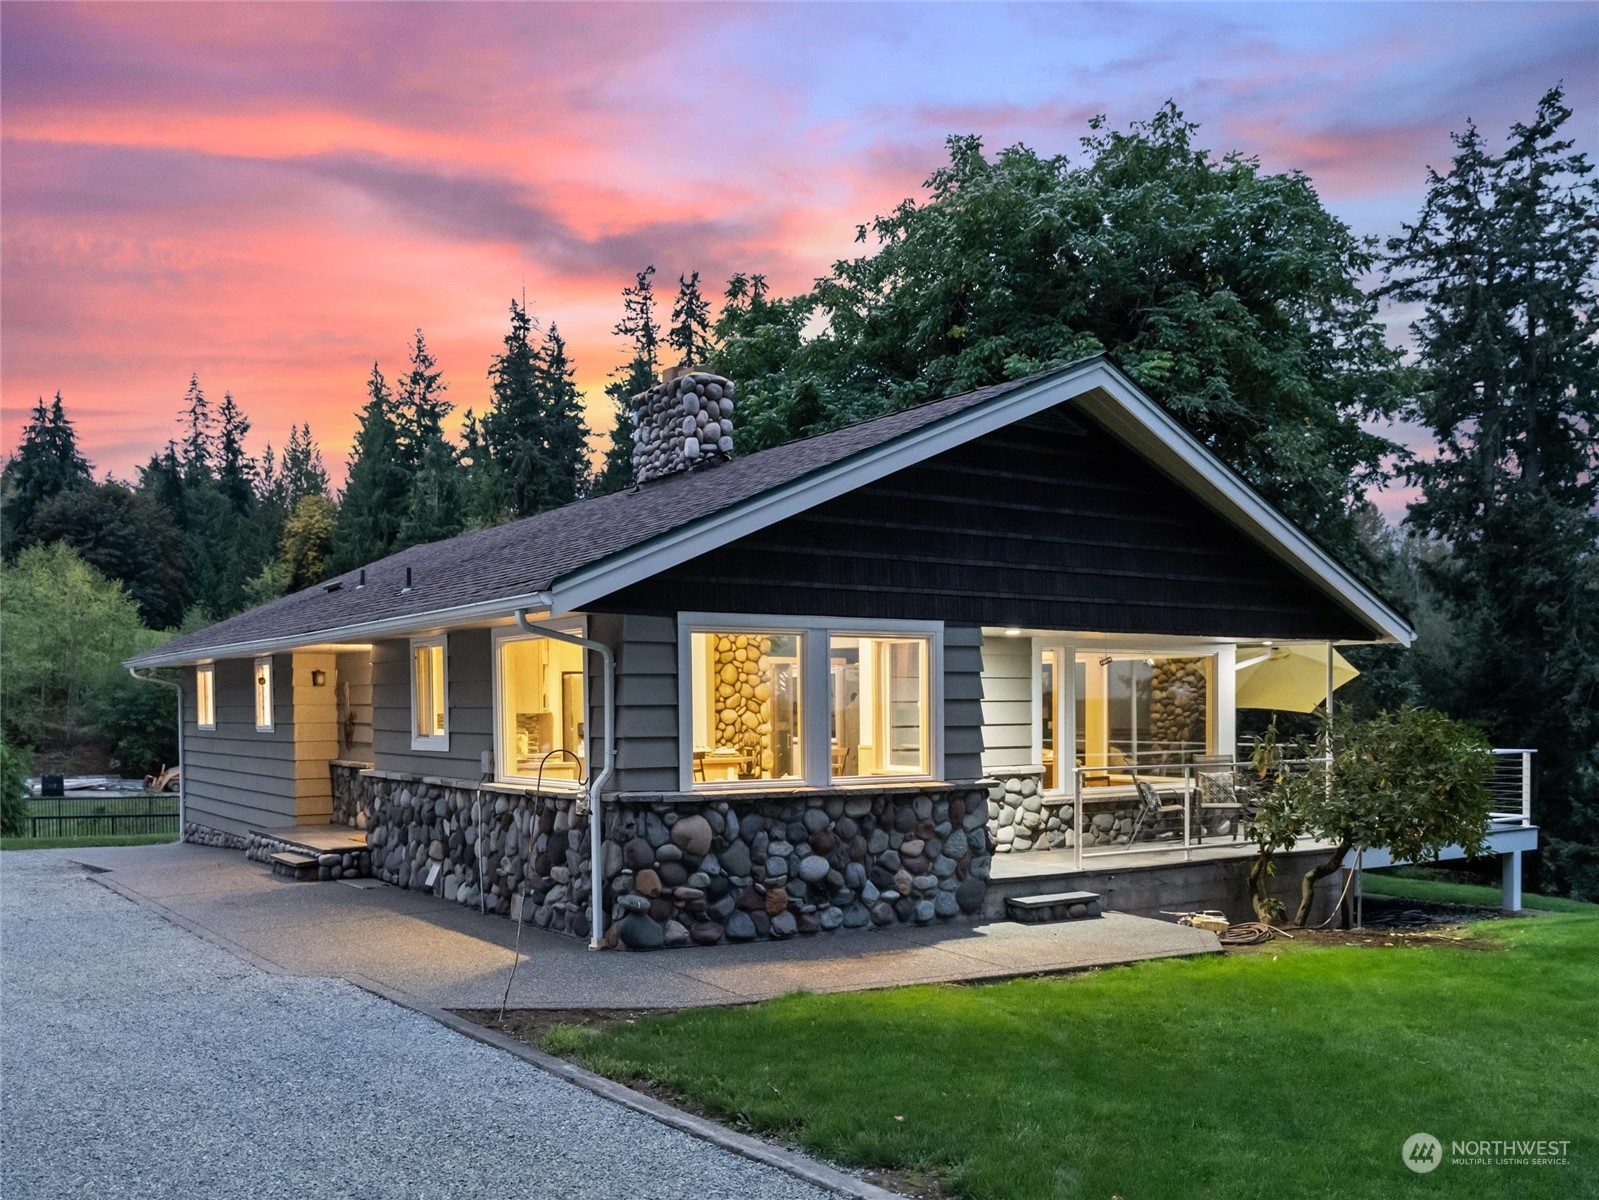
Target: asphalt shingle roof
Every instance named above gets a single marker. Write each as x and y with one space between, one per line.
523 557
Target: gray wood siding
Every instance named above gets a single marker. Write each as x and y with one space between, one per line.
1007 703
469 677
354 696
234 778
963 702
646 700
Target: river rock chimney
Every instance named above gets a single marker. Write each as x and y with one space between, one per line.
682 422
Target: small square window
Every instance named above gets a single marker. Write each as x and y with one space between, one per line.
205 696
430 705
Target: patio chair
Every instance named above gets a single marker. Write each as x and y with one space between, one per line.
1219 794
1152 807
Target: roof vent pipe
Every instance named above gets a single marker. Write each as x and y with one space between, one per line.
361 582
607 761
407 586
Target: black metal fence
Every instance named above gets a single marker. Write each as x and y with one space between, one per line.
103 815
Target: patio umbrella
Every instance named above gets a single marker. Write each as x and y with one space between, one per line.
1289 678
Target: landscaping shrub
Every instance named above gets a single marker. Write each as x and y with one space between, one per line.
14 763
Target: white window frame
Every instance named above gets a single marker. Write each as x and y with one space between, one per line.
515 633
205 714
437 743
264 663
815 699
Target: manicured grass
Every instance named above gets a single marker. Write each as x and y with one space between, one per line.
1293 1070
1439 891
71 843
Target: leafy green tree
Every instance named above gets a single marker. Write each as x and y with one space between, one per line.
46 464
1503 261
128 536
137 721
15 763
758 338
1228 293
641 327
66 629
690 333
307 546
377 484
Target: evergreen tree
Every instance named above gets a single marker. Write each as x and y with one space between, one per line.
1503 260
236 470
302 471
515 429
420 406
486 491
565 433
435 506
130 538
198 452
46 464
690 334
640 326
377 484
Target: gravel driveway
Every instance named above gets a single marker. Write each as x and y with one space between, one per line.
141 1061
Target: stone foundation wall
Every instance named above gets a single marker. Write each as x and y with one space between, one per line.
204 835
349 795
1022 818
683 870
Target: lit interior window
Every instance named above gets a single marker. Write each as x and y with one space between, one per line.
263 695
205 697
746 689
1140 710
880 706
543 712
428 703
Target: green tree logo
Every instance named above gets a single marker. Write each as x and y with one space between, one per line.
1422 1152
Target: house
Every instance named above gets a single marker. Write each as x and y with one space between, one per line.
831 684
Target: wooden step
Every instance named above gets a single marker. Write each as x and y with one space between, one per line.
1053 906
294 866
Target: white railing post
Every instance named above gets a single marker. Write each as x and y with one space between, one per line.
1188 812
1526 787
1077 817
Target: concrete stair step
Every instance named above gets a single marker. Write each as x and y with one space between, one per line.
294 866
1052 906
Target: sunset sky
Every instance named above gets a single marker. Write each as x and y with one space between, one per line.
275 196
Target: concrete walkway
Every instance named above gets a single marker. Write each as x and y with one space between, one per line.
444 956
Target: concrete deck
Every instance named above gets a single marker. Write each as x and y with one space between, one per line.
442 955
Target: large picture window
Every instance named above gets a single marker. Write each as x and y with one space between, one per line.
1141 710
263 695
205 696
430 705
746 699
542 710
880 719
807 703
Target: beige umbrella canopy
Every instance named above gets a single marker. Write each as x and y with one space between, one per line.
1288 678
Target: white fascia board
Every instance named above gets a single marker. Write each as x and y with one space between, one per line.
411 623
1124 410
1148 428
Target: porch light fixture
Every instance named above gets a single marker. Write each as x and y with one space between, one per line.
319 678
1013 633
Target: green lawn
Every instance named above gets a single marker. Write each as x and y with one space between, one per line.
1440 891
71 843
1296 1070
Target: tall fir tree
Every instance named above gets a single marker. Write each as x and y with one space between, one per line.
46 464
484 486
377 484
198 449
690 334
419 405
515 429
566 434
302 471
236 470
1503 261
640 326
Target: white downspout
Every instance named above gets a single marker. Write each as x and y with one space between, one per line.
608 763
182 770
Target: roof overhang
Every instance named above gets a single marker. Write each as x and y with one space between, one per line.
1100 391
